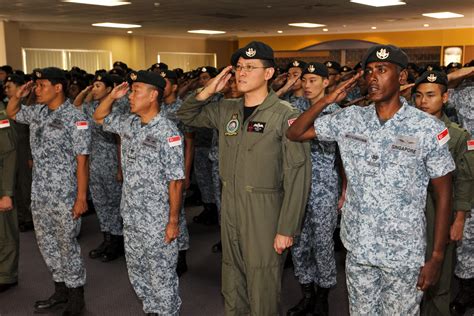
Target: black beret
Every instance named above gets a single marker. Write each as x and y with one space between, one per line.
433 76
120 64
50 73
253 50
318 69
117 71
105 79
296 63
208 69
385 53
161 66
358 66
79 81
148 77
333 65
116 79
454 65
431 67
16 79
7 68
346 69
169 74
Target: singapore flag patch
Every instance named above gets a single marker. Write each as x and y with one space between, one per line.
4 123
82 125
443 137
174 141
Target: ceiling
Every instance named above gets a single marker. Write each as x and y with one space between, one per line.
242 18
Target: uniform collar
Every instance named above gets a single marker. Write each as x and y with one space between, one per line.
400 115
446 120
271 99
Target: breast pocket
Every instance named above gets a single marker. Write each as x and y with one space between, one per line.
401 169
6 141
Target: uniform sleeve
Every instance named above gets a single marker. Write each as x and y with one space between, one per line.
464 175
296 181
114 122
199 113
329 127
172 155
7 161
81 136
26 114
438 159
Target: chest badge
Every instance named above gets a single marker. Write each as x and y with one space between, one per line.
256 127
232 126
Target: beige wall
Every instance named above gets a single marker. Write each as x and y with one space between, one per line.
138 52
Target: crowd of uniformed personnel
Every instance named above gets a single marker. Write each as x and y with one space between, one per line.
276 155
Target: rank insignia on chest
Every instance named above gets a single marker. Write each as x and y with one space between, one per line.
56 123
4 123
150 141
232 126
256 127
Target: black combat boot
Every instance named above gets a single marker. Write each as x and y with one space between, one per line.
306 305
321 307
56 300
114 249
464 300
209 216
97 252
182 266
75 303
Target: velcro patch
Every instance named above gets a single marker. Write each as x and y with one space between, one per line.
82 125
4 123
443 137
174 141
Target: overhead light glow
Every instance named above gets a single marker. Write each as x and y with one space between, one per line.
129 32
379 3
310 25
426 25
117 25
325 30
443 15
106 3
373 27
208 32
279 32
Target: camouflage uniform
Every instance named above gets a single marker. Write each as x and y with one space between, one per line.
169 111
104 187
150 159
388 167
57 138
214 158
313 252
462 100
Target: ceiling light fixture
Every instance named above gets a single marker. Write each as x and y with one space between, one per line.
373 27
129 32
325 30
117 25
426 25
106 3
309 25
379 3
443 15
208 32
279 32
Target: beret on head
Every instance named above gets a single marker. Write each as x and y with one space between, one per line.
253 50
385 53
318 69
148 77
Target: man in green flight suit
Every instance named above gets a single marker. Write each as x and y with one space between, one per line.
430 95
9 233
265 179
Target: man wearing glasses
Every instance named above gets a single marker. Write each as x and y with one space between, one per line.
265 179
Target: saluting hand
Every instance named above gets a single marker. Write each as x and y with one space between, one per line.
281 243
25 89
215 85
172 232
340 93
119 91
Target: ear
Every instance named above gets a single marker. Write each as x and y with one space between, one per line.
445 97
403 77
269 73
109 89
325 82
58 88
154 95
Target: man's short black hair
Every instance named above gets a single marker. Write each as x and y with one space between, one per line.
62 82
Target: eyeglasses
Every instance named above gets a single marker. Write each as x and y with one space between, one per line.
246 68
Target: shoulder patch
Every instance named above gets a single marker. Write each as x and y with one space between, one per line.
82 125
4 123
174 141
443 137
470 144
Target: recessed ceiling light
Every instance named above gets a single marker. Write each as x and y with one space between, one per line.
426 25
208 32
280 32
443 15
325 30
306 24
373 27
117 25
106 3
130 32
379 3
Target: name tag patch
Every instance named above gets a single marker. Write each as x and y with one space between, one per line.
150 141
359 138
56 124
174 141
82 125
4 123
470 144
256 127
443 137
406 144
